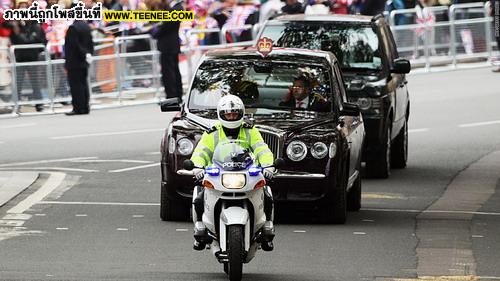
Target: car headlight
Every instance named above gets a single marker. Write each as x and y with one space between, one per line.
333 150
296 150
319 150
364 103
233 181
185 146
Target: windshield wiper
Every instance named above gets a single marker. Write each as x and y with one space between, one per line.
365 69
265 106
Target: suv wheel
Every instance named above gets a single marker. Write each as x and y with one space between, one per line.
172 208
399 151
378 164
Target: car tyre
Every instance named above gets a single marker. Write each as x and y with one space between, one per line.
378 164
399 153
335 209
354 195
172 208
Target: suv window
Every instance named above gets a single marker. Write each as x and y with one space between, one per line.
355 46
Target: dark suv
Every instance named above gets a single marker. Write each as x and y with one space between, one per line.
374 76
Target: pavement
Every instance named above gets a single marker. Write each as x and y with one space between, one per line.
14 182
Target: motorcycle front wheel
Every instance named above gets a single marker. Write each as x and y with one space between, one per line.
235 251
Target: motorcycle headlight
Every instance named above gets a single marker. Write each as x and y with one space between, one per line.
319 150
296 150
333 150
185 146
233 181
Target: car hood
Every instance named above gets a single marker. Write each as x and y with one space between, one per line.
363 85
293 122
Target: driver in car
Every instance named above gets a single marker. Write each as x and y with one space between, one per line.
230 112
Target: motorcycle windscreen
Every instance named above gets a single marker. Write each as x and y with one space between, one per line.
233 155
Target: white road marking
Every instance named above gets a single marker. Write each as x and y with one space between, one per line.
111 161
479 124
11 223
135 168
153 153
20 228
477 236
418 130
18 126
98 203
54 169
40 215
181 229
80 215
106 134
433 211
368 220
23 217
62 228
54 180
359 233
299 231
122 229
45 161
138 216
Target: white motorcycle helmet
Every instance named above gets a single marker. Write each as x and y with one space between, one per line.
230 104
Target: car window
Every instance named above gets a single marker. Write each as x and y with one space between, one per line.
354 46
261 85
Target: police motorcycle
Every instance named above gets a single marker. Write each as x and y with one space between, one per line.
233 210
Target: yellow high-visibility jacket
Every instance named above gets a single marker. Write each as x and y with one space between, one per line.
202 154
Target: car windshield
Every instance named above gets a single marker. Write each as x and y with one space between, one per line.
267 87
354 46
233 155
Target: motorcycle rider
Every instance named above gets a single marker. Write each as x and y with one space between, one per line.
230 112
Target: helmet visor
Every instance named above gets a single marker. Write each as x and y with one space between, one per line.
231 114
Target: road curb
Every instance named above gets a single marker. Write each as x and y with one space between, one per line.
14 182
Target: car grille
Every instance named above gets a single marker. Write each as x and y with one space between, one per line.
273 142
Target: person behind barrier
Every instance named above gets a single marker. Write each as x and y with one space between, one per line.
78 49
27 32
167 34
230 112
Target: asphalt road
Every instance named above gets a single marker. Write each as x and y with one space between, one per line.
439 216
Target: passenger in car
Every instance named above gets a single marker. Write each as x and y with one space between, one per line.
302 97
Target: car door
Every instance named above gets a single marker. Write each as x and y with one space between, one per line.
398 81
352 125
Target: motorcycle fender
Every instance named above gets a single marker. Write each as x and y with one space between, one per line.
234 215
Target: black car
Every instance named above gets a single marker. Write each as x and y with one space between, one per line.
321 148
374 76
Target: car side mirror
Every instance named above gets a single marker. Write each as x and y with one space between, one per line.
279 163
171 104
188 165
401 66
350 109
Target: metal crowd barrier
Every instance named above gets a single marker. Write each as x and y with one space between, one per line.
444 36
122 73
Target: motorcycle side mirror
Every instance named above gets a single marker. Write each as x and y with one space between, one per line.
188 165
279 163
